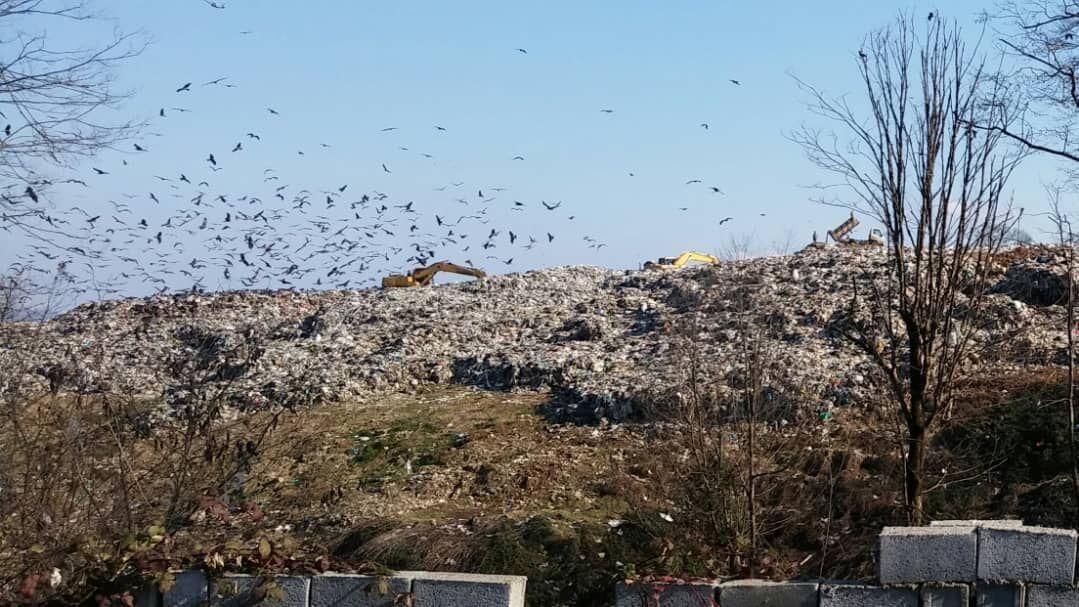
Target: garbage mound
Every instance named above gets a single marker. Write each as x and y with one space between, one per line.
607 344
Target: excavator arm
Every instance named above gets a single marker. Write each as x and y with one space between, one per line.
422 276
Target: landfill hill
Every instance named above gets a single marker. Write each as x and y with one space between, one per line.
602 342
513 425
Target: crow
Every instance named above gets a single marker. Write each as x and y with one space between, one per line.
385 169
725 220
239 146
100 172
184 88
139 148
212 160
29 191
551 207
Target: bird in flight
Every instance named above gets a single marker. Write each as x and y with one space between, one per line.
704 125
212 160
522 51
273 111
518 157
184 88
384 168
239 146
693 181
100 172
213 82
607 111
389 128
735 82
439 128
551 207
725 220
716 190
254 136
29 191
139 148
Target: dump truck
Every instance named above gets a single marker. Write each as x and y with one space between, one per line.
666 263
841 234
422 276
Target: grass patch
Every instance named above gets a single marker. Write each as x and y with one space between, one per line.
407 444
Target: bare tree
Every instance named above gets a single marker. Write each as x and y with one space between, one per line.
1066 238
1043 38
51 97
928 159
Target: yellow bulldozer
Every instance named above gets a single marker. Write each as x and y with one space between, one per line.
422 276
669 263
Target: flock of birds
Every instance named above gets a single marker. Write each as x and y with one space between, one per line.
187 233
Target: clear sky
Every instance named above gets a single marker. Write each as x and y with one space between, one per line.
339 72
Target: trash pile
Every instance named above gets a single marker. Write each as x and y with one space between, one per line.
607 344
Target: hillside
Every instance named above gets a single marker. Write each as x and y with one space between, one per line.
526 423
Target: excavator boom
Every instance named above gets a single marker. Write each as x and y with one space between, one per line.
422 276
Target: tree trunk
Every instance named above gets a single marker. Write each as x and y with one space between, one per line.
915 471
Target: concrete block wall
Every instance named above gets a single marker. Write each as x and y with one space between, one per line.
414 588
947 564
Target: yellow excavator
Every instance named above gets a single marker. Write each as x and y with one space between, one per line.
668 263
422 276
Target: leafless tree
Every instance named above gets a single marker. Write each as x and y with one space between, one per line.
1066 238
51 96
1043 37
929 160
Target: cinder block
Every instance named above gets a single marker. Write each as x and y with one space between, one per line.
333 590
1026 554
928 554
997 523
1039 595
645 594
758 593
190 589
866 596
945 595
998 595
268 591
460 589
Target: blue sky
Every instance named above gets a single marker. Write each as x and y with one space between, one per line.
340 72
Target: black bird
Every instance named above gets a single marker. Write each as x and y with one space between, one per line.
735 82
273 111
186 87
158 237
184 178
7 130
522 51
161 112
29 191
388 129
342 188
254 136
716 190
704 125
139 148
862 55
551 207
513 237
93 219
930 16
100 172
439 128
385 169
212 82
212 160
725 220
693 181
550 237
607 111
239 146
508 261
154 198
518 158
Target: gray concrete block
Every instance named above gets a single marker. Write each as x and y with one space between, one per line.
998 595
269 591
646 594
461 589
334 590
998 523
866 596
1026 554
190 589
758 593
928 554
945 595
1039 595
